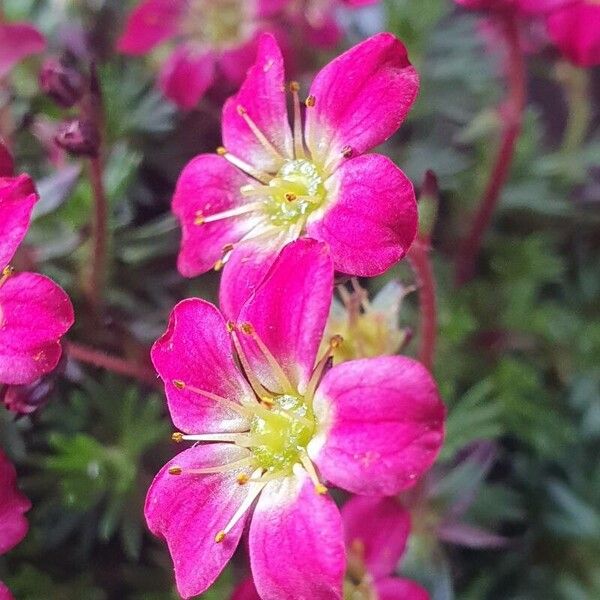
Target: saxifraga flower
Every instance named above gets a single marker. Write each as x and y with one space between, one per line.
273 425
271 184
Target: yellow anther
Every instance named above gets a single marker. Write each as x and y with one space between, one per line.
220 537
219 265
230 326
228 248
290 197
7 271
321 489
199 218
221 150
347 151
247 328
294 86
336 341
310 101
180 385
177 437
175 470
242 478
241 110
267 400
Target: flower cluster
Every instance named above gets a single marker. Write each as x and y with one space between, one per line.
274 416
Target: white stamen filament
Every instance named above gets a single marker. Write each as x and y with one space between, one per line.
298 134
226 214
312 473
259 135
240 439
244 462
317 373
233 406
244 166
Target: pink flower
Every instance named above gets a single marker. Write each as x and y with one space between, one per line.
18 41
522 6
34 312
376 531
575 29
13 504
273 184
216 38
274 430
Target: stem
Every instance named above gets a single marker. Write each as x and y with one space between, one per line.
418 256
115 364
97 277
513 120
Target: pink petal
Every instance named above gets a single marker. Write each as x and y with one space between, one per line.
326 34
394 588
263 96
5 593
267 8
246 268
187 75
207 185
245 591
149 24
382 424
196 349
372 219
17 41
34 314
289 311
362 97
296 543
17 198
359 3
13 525
575 29
234 62
6 161
382 526
189 510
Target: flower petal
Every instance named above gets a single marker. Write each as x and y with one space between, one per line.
17 41
149 24
34 314
373 218
394 588
13 525
17 198
5 593
7 166
296 543
361 98
575 29
196 349
245 591
262 95
186 76
381 424
382 526
289 312
208 185
189 510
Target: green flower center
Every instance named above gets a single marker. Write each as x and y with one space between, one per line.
216 23
280 435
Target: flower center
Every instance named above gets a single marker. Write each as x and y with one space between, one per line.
216 23
292 194
280 435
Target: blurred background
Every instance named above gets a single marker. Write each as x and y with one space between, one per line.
512 508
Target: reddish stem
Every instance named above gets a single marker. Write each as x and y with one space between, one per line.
99 236
115 364
513 119
418 256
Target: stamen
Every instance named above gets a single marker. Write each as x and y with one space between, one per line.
257 386
268 476
310 101
6 273
298 135
260 136
243 165
278 372
256 489
239 439
201 219
317 374
312 473
243 462
234 406
347 151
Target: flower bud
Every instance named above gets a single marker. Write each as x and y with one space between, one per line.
79 137
62 82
